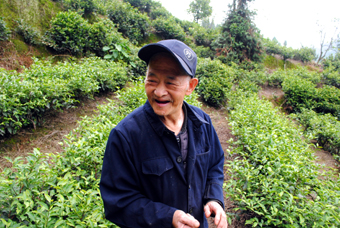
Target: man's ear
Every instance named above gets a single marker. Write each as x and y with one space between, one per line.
192 85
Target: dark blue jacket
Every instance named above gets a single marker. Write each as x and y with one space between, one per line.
143 179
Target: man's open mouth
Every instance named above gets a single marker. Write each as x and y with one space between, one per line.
162 102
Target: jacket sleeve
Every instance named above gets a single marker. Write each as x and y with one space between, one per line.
215 178
124 202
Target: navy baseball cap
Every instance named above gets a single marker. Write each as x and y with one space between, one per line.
186 57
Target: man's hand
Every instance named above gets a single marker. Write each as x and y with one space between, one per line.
183 220
220 216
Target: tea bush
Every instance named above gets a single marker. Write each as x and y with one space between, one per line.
324 128
142 5
82 6
72 34
201 35
130 22
102 33
302 93
168 28
159 12
62 190
4 31
305 54
204 52
68 33
278 76
215 80
275 176
31 35
27 96
331 76
332 61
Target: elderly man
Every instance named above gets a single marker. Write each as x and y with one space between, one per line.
163 164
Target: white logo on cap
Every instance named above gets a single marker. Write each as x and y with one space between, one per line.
188 54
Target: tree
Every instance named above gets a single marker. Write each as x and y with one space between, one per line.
206 23
200 9
239 39
276 41
326 44
143 5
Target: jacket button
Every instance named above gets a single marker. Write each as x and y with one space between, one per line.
190 210
179 159
189 186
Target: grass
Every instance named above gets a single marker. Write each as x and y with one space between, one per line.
273 63
36 13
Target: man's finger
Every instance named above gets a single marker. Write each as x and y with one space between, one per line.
217 218
181 219
207 211
222 220
191 221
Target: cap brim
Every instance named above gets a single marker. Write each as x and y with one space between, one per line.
149 50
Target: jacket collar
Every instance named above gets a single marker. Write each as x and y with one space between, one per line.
159 127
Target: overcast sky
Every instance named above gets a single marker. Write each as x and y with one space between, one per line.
294 21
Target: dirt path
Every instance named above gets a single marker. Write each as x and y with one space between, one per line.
53 129
220 122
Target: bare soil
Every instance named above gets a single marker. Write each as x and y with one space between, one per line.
221 125
10 59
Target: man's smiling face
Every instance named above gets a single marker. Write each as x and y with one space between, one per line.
166 85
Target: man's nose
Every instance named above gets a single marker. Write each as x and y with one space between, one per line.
160 90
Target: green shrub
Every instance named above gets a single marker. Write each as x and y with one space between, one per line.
304 73
305 54
72 34
271 47
101 34
332 61
68 33
4 31
248 86
142 5
30 34
257 77
168 28
159 12
25 97
201 35
275 175
331 76
82 6
139 68
215 80
324 128
133 24
277 77
301 93
186 25
204 52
